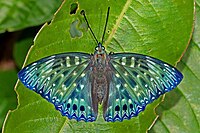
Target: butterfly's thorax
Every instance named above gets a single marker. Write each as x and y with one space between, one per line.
100 73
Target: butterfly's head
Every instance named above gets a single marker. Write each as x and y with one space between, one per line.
100 53
100 49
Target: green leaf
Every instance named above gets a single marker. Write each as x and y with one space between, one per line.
160 29
180 110
19 14
7 95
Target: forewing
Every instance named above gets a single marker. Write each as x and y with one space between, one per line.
137 80
63 80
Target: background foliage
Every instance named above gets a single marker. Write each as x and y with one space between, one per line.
160 29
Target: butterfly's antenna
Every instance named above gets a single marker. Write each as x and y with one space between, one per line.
83 13
105 24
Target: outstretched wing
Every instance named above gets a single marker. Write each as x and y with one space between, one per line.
63 80
137 80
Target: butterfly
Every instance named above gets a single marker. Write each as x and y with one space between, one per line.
76 83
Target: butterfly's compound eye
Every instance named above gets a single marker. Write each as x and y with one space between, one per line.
96 48
103 48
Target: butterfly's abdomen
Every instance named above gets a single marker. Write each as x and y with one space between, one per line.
100 86
99 90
